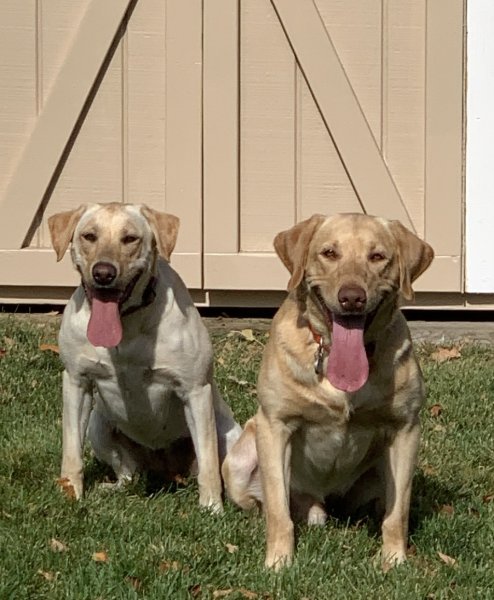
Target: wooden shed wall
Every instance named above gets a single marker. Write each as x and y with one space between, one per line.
241 117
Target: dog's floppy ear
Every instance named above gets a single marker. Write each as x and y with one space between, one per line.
292 246
165 230
62 226
414 256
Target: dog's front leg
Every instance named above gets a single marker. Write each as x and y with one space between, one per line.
199 413
77 403
400 459
274 451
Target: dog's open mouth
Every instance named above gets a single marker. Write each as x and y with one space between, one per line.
348 365
105 324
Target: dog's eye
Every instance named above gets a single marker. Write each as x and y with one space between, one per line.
330 253
376 257
89 237
129 239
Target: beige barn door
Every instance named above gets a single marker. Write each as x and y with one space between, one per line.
329 106
101 101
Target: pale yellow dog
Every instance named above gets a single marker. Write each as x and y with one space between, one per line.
339 387
138 359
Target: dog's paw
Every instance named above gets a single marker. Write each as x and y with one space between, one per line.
316 515
122 482
212 504
391 558
277 561
279 548
71 487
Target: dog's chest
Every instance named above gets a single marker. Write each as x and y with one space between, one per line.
142 401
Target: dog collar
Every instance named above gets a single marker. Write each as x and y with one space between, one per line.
321 352
148 298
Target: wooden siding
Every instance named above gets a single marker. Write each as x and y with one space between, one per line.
239 116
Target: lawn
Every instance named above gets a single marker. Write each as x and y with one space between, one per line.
149 542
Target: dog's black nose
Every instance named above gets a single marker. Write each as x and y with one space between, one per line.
352 298
104 273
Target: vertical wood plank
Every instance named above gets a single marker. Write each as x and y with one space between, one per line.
403 101
324 184
145 104
183 133
267 126
58 21
322 180
17 81
93 170
355 29
444 127
221 126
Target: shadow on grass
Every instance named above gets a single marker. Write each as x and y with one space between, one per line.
168 472
429 497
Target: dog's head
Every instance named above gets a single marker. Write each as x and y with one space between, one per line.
114 247
352 263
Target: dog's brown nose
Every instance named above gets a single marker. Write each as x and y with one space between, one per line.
352 297
104 273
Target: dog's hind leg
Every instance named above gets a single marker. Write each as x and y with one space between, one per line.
113 447
240 469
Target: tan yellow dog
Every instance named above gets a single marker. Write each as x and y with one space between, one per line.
339 387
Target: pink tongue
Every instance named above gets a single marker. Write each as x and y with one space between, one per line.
104 327
348 367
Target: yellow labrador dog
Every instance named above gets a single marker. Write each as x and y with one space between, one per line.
138 359
339 387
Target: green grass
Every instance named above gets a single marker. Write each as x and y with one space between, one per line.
160 545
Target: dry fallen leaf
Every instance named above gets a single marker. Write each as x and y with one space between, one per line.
48 575
100 557
49 348
429 470
9 342
58 546
67 488
195 590
222 593
237 381
443 354
231 548
447 509
447 559
488 498
435 410
3 352
167 565
439 427
247 593
248 334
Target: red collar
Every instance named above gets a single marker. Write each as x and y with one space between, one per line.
318 338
